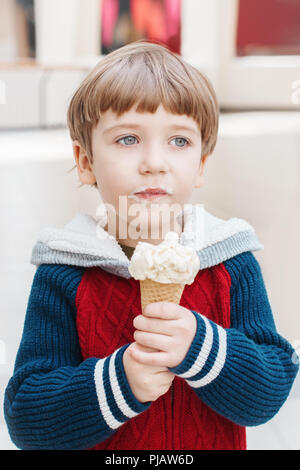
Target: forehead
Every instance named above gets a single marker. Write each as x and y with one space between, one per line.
109 121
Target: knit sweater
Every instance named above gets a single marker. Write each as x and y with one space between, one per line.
238 365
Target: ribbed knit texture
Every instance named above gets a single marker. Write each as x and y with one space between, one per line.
106 307
51 402
245 372
69 389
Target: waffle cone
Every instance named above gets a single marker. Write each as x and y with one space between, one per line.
152 291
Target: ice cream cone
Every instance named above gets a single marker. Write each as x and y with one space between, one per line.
152 291
164 269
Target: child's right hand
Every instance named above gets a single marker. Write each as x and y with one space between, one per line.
146 382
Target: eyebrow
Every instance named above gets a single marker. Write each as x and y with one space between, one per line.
138 126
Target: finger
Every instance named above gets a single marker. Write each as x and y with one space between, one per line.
163 310
145 348
152 359
153 325
135 347
153 340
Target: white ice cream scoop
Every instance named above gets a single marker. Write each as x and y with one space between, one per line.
168 262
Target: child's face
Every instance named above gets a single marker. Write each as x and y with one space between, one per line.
147 152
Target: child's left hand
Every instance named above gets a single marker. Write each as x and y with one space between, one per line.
167 327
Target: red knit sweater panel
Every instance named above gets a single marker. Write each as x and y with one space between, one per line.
106 306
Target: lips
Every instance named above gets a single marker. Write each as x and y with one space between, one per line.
152 192
145 194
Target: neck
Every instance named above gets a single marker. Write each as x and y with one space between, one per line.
130 234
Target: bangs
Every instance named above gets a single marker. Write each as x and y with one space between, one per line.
147 88
145 75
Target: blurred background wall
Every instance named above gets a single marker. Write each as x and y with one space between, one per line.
250 49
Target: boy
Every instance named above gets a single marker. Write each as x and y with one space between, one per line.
91 370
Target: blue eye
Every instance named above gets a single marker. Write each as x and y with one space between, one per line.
181 138
185 144
126 137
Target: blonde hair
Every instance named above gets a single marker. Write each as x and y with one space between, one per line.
145 74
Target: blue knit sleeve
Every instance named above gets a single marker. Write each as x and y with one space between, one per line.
55 400
244 372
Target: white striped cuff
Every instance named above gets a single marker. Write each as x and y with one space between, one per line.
105 401
213 341
218 364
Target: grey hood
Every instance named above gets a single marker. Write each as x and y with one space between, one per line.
83 242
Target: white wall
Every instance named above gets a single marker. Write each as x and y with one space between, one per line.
35 191
8 40
254 174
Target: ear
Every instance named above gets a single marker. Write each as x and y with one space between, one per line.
200 173
84 167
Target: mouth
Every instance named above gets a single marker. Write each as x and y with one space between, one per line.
151 193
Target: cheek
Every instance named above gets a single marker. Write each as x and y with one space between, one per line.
113 181
185 189
186 184
186 177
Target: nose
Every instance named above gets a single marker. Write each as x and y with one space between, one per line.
153 161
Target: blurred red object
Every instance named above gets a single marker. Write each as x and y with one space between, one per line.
109 16
268 27
156 20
